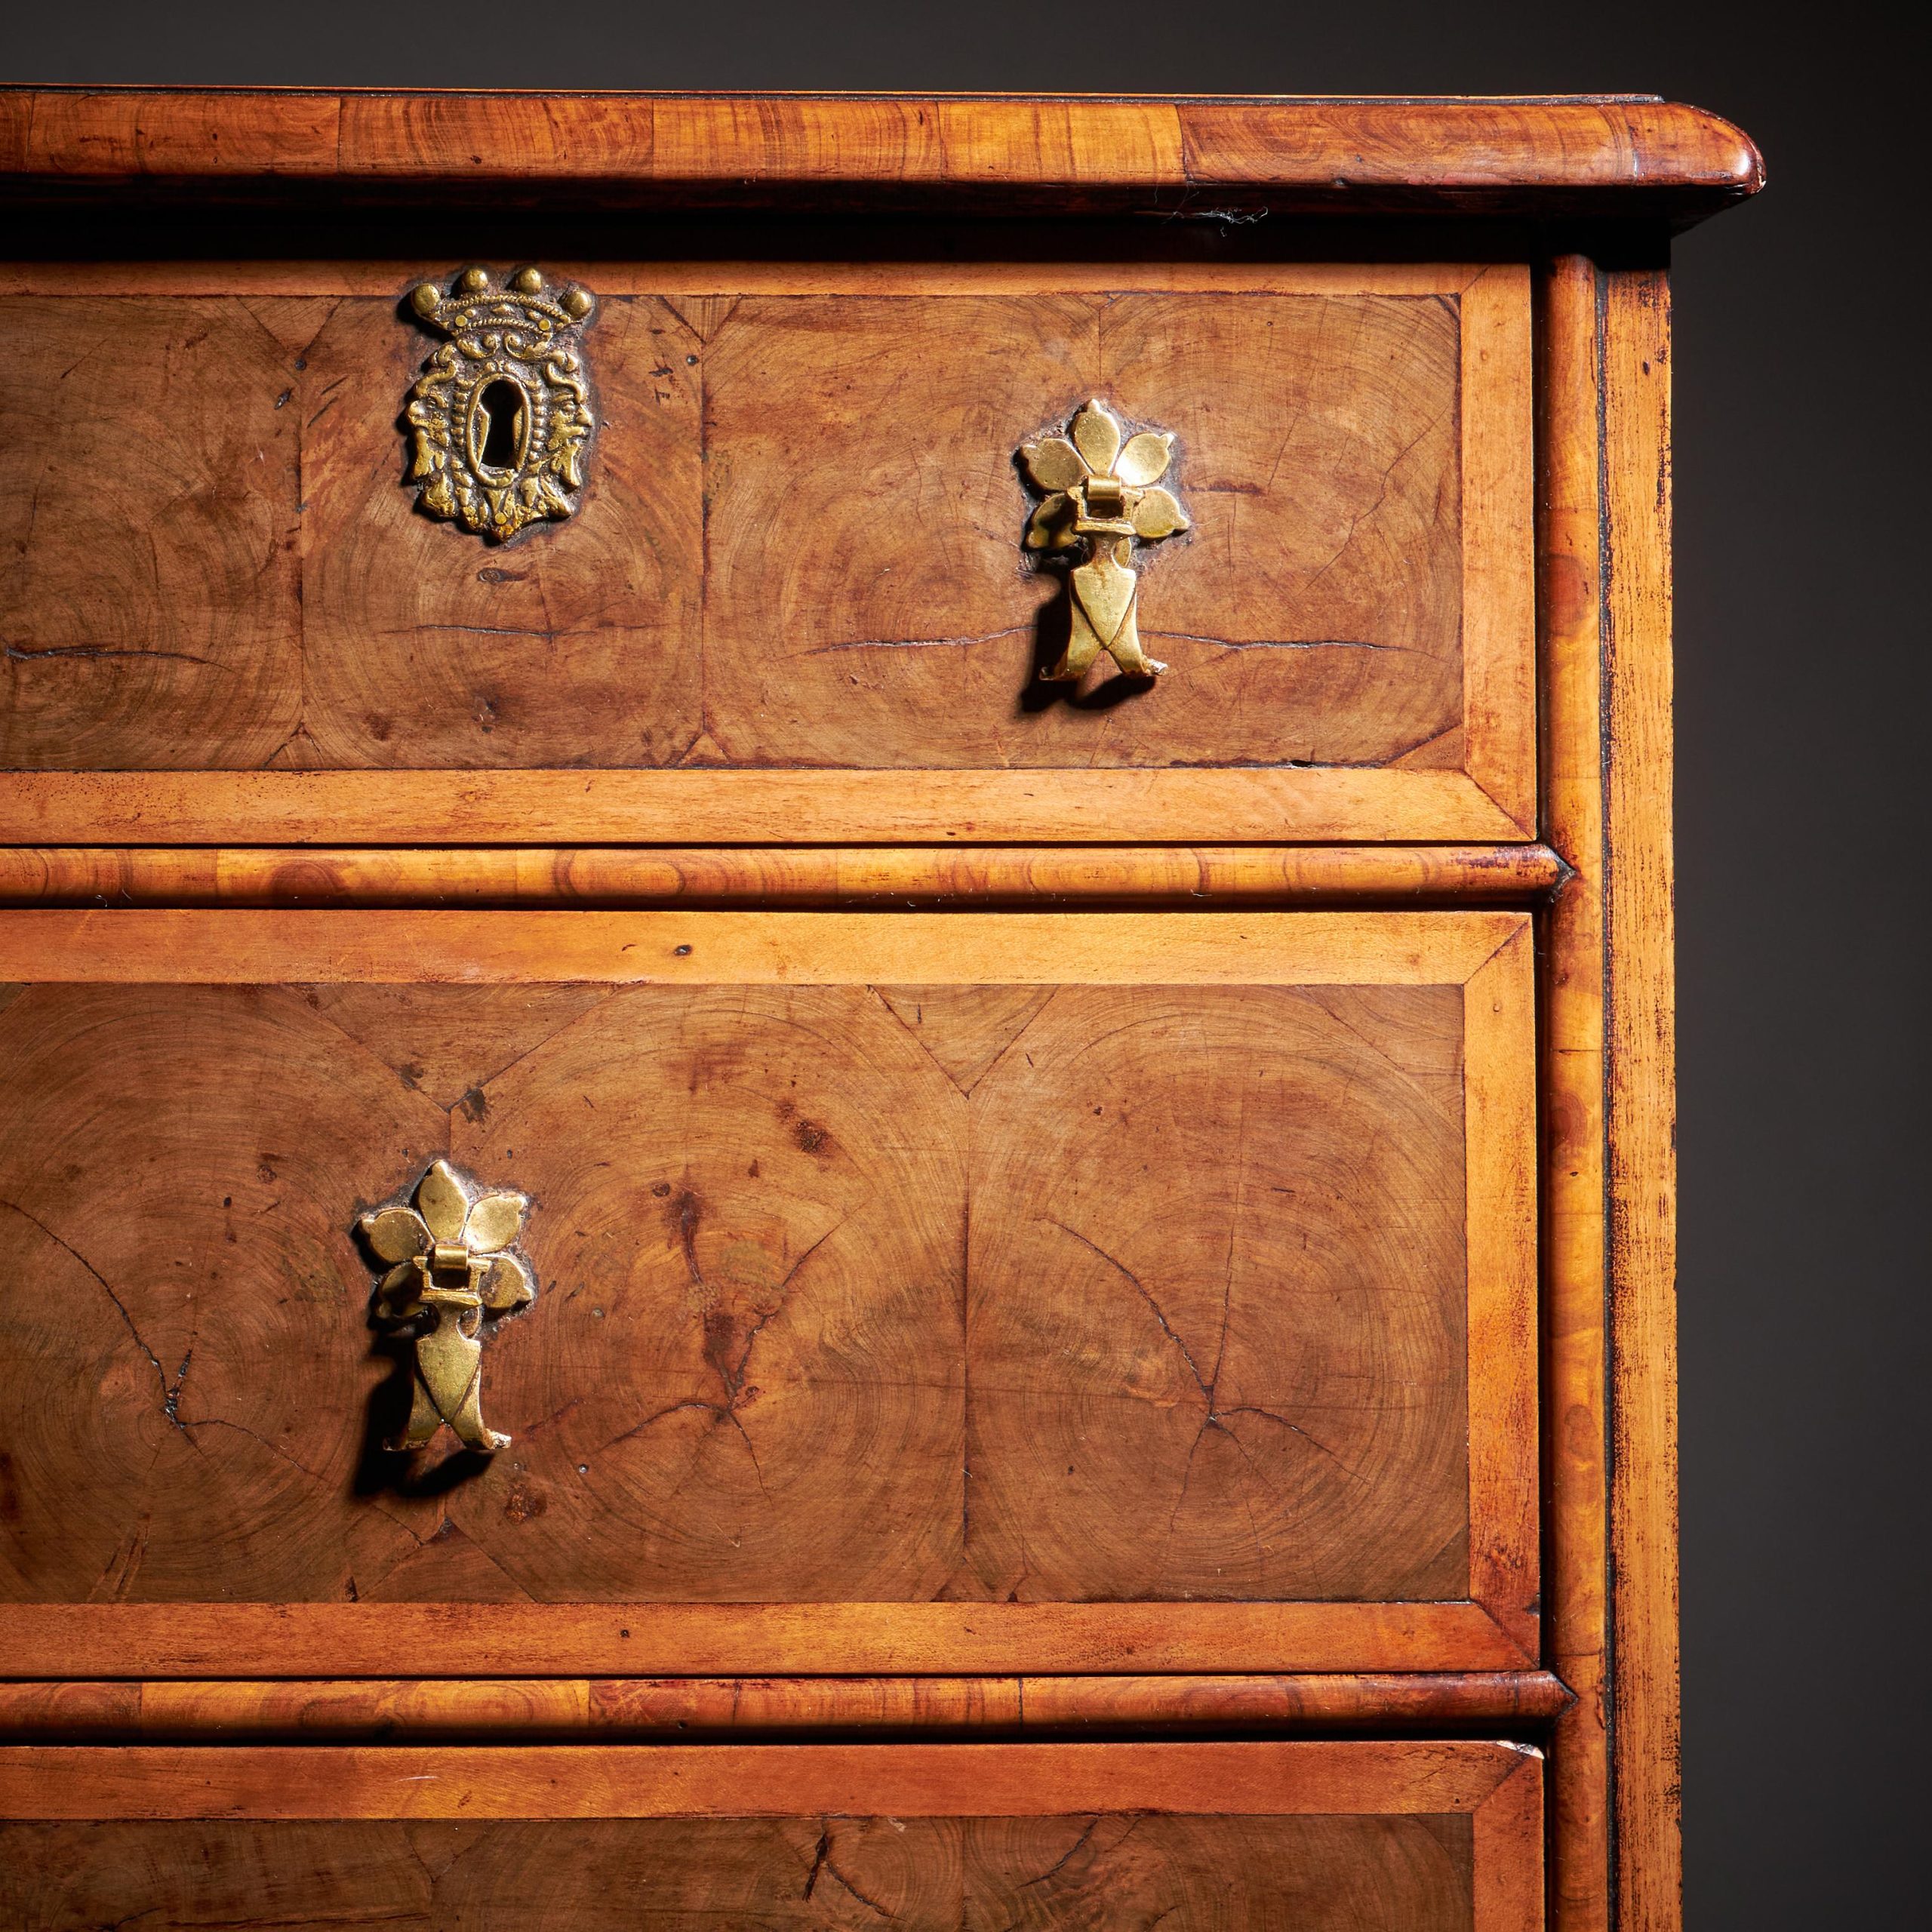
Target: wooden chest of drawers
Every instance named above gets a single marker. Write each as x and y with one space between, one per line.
834 1011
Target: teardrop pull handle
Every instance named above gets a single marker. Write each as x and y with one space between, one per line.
451 1277
1102 490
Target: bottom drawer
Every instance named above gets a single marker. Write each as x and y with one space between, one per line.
933 1837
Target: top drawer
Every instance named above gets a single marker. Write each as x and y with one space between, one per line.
793 601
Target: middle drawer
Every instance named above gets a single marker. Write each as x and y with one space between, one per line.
911 1292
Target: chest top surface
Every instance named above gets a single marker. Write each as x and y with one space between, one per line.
1621 154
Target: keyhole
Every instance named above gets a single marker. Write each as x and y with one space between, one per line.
502 404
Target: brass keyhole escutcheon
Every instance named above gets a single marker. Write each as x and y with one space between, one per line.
501 419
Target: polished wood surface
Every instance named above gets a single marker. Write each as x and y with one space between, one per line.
740 807
417 646
162 593
1309 1874
1610 1159
1354 601
609 1709
1142 262
660 947
1296 1778
1230 1437
809 1218
1408 1837
1574 1225
247 946
198 1640
1607 154
1641 930
1314 623
616 877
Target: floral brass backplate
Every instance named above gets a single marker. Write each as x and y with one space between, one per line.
451 1270
500 418
1098 488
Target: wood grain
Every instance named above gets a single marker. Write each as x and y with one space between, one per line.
753 1386
1154 267
1327 1875
1508 1846
179 1202
1499 1152
201 1640
1495 154
1212 1185
799 545
1641 1101
421 647
148 521
611 1709
802 1215
1403 1836
1297 1778
615 877
204 576
246 946
1313 616
1415 1702
1575 155
753 1383
1498 420
1575 1226
746 807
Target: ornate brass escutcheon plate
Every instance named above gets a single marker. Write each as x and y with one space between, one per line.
1098 489
451 1270
500 418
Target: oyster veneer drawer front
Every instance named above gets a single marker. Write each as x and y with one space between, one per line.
911 1293
810 585
1399 1837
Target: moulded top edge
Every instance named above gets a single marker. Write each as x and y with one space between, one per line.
1584 154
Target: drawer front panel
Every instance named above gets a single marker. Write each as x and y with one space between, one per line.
1169 1267
865 606
799 550
1411 1838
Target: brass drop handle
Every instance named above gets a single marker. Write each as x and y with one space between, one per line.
1098 490
452 1270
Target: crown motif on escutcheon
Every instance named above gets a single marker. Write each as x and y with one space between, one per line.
476 303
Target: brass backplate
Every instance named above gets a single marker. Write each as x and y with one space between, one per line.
500 418
451 1271
1101 489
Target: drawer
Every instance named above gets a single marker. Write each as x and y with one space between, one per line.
914 1292
795 601
1320 1837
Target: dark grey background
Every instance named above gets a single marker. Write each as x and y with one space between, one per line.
1802 646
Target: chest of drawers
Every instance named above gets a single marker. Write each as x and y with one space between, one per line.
835 1010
